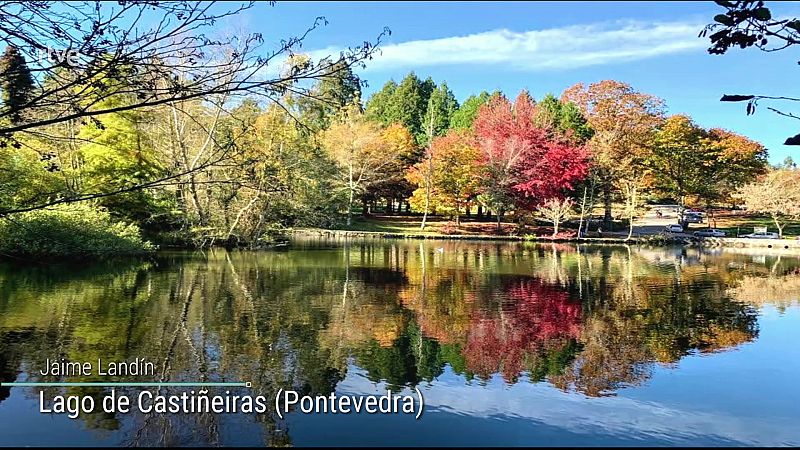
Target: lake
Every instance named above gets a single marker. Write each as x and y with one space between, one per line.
508 343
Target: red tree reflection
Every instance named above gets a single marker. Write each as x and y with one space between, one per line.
535 316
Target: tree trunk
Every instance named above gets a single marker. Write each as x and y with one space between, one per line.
480 211
352 193
427 205
555 227
583 209
778 225
630 227
388 209
607 219
350 208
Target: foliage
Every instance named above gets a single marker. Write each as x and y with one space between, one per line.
677 157
361 150
707 164
777 194
733 161
464 116
16 83
337 88
747 24
623 122
565 119
405 103
523 163
69 231
119 152
195 150
556 210
442 105
453 176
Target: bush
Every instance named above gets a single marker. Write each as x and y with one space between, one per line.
77 230
449 228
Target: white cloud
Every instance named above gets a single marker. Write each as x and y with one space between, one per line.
549 49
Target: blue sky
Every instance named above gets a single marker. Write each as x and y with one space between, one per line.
546 47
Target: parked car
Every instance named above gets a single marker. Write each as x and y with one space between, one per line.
674 228
693 218
768 235
709 232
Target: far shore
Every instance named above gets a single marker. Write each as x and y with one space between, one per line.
783 245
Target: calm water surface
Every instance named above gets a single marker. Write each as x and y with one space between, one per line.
510 344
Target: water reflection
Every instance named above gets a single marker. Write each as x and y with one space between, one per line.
591 320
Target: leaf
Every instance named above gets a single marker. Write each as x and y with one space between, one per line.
736 98
794 24
723 19
794 140
762 14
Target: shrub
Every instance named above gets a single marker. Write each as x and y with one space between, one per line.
77 230
449 228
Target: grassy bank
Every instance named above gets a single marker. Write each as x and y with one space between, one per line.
744 224
469 229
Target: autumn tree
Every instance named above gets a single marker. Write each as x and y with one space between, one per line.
165 54
776 194
507 136
402 154
523 163
677 158
441 106
735 160
708 165
556 210
358 146
453 176
623 122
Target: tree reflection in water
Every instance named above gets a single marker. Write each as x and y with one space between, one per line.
588 319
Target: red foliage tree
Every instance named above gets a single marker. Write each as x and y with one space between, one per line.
523 162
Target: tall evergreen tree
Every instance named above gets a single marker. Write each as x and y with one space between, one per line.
403 103
442 104
378 104
336 89
564 118
16 83
464 116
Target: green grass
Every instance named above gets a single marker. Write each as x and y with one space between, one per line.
746 224
434 225
398 225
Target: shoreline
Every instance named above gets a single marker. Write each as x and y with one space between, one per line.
465 237
785 245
